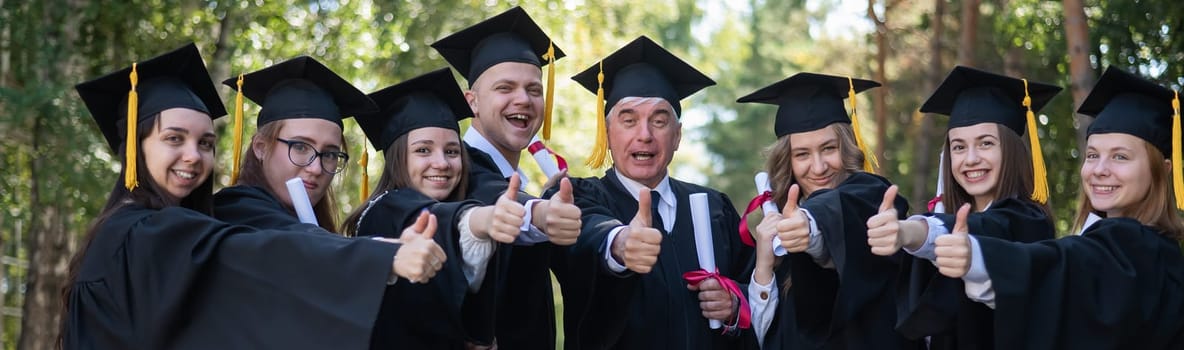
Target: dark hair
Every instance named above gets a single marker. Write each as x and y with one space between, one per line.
394 175
147 194
1015 174
252 174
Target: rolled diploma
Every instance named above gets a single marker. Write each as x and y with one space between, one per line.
300 201
546 161
704 245
762 185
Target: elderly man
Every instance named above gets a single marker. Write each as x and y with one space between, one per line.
637 297
501 58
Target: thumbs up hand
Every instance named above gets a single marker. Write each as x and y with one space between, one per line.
794 227
508 215
419 257
638 244
883 229
562 219
953 250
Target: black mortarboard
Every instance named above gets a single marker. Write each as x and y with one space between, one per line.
302 88
1126 103
641 68
429 100
808 101
176 79
511 36
971 96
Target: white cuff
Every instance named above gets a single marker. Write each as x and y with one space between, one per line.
762 301
526 225
529 234
475 252
816 248
613 265
936 228
977 280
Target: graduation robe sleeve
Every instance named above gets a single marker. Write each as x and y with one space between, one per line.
1117 286
930 304
431 315
859 310
177 279
255 207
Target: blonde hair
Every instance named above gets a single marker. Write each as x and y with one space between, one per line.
1157 209
779 160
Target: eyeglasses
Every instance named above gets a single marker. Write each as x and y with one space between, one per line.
302 154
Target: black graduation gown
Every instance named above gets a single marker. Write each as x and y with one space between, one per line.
177 279
604 310
1120 285
852 306
434 315
931 304
255 207
526 308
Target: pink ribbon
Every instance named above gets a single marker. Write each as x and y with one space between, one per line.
745 235
933 202
538 146
697 276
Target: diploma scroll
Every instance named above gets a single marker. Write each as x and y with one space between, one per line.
762 186
704 244
300 201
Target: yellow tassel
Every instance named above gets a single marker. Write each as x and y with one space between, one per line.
1177 175
600 148
869 159
1040 192
365 174
238 132
133 106
549 103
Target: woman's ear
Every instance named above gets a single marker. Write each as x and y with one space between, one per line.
258 147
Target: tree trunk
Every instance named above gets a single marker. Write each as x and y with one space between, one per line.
923 163
881 94
1081 75
969 29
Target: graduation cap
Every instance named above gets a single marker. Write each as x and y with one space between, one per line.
177 79
641 68
1125 103
511 36
429 100
297 88
810 101
971 96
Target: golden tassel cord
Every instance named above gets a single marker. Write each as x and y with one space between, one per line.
1040 188
363 162
600 148
1177 175
869 159
549 103
238 132
133 106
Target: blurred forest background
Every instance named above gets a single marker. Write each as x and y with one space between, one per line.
57 170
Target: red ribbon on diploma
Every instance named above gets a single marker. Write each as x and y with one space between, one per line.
745 236
933 202
538 146
697 276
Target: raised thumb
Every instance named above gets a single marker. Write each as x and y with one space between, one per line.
960 221
643 209
564 194
889 198
512 188
430 230
791 201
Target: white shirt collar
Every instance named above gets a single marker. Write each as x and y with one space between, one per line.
478 141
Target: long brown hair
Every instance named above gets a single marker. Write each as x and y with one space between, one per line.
1015 174
148 194
252 174
779 160
394 176
1156 210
